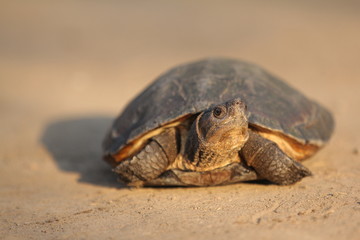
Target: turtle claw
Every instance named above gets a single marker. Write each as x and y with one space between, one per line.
286 171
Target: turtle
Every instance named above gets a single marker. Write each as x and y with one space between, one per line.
216 121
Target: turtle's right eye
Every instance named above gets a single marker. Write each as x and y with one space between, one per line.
219 112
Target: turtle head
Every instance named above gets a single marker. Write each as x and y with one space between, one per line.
224 126
217 135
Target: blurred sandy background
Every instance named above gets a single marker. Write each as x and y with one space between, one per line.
68 67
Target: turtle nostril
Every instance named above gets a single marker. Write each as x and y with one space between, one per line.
237 102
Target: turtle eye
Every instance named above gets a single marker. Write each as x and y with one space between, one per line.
219 112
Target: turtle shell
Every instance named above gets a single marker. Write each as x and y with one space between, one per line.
275 109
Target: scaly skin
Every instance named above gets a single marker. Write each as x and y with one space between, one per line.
270 162
151 161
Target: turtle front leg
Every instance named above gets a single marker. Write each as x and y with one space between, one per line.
151 161
270 162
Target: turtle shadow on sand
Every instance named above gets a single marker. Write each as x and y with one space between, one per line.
75 144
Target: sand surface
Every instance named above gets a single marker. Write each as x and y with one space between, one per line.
67 68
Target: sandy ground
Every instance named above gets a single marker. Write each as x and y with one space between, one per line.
68 67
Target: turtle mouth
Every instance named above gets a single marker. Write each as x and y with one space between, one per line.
235 136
